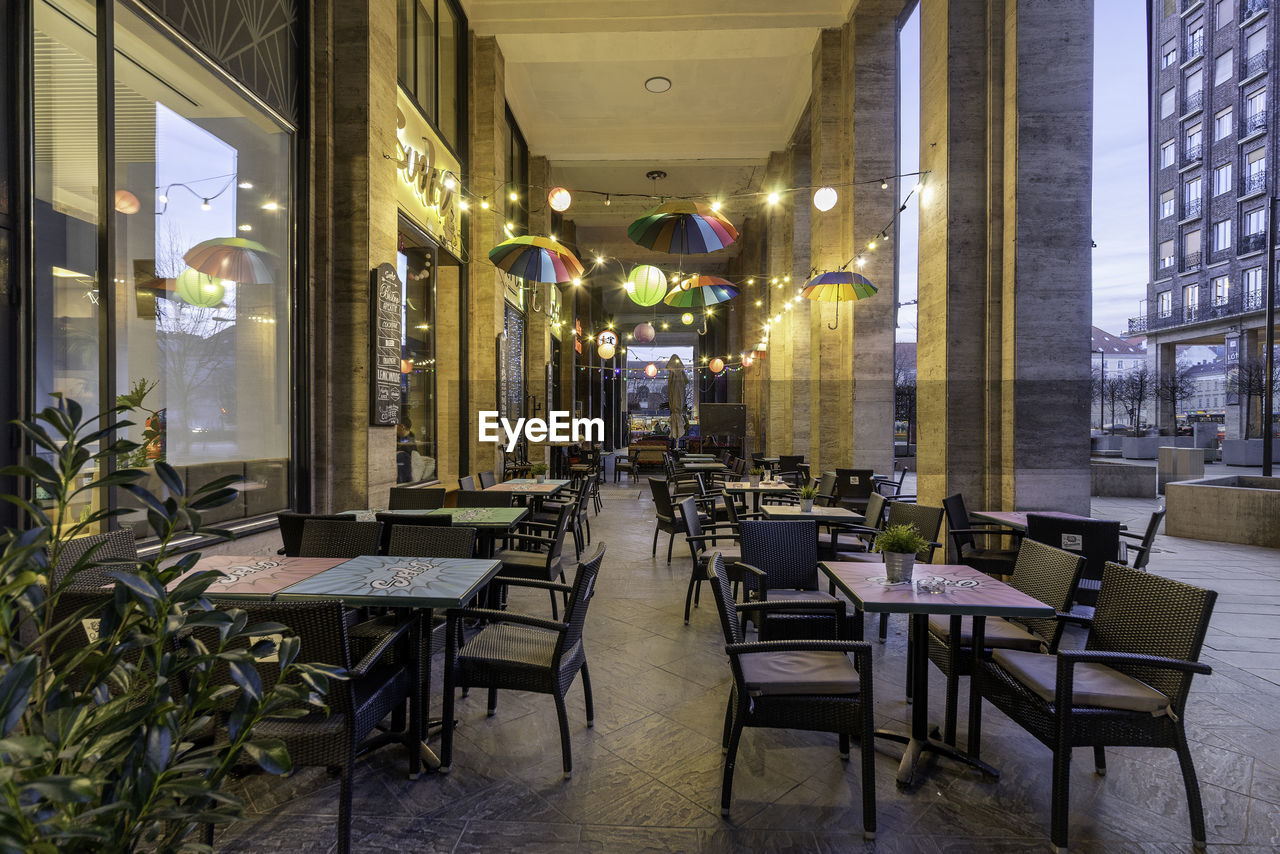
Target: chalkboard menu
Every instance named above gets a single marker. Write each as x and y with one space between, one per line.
385 337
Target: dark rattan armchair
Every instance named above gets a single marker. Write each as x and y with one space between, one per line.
480 498
535 554
89 559
667 514
397 520
412 498
1127 688
854 487
1137 547
1097 539
339 538
977 544
518 652
798 684
785 553
703 537
1042 572
487 479
291 528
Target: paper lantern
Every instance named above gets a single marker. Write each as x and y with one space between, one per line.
127 203
644 333
200 289
559 199
717 365
646 285
608 337
824 198
651 370
686 319
605 351
748 361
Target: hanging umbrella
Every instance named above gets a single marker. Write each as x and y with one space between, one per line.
838 287
700 291
677 382
536 259
682 227
233 258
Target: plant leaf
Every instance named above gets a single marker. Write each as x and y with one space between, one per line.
270 754
15 691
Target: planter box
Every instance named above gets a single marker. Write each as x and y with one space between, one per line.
1179 463
1236 509
1121 480
1140 448
1247 452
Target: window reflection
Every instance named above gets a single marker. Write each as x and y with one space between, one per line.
416 456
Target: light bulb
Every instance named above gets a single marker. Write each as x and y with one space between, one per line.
824 198
163 199
861 261
271 206
607 201
450 183
245 185
462 203
758 303
515 197
246 227
577 282
884 183
484 204
204 206
773 198
751 281
871 245
715 206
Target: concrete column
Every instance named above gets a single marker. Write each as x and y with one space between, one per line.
796 322
1048 156
778 367
537 335
1166 364
487 105
870 90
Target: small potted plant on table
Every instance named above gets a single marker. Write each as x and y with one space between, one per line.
899 545
807 494
539 472
755 474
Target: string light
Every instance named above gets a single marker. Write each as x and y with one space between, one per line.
884 183
204 205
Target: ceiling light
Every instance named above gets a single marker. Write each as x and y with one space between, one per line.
824 198
245 185
657 85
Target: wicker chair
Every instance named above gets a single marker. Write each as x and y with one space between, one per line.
431 541
88 559
786 555
854 487
478 498
377 686
668 519
798 684
1141 549
487 479
339 538
1099 543
624 464
789 468
517 652
291 528
411 498
985 556
467 483
703 538
536 554
890 486
390 520
1042 572
1127 688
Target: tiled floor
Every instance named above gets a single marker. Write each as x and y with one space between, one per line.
647 777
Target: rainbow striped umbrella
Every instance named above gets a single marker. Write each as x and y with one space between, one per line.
536 259
838 287
700 291
682 227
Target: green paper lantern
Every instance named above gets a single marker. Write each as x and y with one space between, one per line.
200 289
646 285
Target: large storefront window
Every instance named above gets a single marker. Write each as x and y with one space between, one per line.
194 317
429 55
416 455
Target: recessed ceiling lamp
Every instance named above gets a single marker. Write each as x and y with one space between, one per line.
657 85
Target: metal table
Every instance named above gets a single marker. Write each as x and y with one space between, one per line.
964 592
1017 519
743 487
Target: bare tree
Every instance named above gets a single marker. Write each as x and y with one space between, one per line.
1134 391
1175 387
1249 382
904 400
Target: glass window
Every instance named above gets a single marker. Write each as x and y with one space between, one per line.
1169 53
1191 244
1252 286
1195 82
1256 43
416 453
1166 153
1256 103
1222 68
1194 187
1164 303
450 49
1166 254
1195 40
1224 12
1195 137
202 271
431 35
1221 289
1255 221
1166 203
1222 179
1222 125
1190 300
1221 235
1166 103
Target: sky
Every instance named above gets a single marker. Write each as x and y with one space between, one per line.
1120 177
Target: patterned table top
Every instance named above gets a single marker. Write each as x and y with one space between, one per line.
961 590
258 576
529 486
406 582
468 517
745 486
818 514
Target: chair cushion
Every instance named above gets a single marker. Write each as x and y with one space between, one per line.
1094 684
998 634
512 644
798 673
799 595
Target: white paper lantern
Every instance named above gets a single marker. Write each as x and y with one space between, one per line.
824 198
559 199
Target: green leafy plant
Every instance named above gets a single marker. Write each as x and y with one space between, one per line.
152 445
807 493
118 735
757 471
900 539
538 469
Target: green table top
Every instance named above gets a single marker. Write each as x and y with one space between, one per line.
528 486
469 517
406 582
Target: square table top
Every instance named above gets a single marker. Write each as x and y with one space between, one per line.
412 582
528 486
965 591
468 517
1017 519
697 456
762 486
257 576
700 466
818 514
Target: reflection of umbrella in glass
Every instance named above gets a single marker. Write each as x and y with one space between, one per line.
160 288
682 227
536 259
676 384
233 258
700 291
838 287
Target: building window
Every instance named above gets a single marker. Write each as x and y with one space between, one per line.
1192 195
1256 43
416 451
1191 250
1166 103
1255 171
1222 235
1195 40
1195 91
1223 68
206 333
1252 279
1194 144
1169 53
1167 150
1222 125
1224 12
430 34
1190 301
1255 221
1221 286
1164 304
1166 254
1222 179
1166 203
1255 111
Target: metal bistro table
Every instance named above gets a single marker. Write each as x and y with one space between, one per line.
1017 519
490 522
256 577
418 583
530 486
834 516
963 592
743 487
704 466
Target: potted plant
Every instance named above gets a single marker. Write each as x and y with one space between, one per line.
755 475
807 494
539 472
899 545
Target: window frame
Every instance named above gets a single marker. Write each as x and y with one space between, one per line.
1222 179
461 24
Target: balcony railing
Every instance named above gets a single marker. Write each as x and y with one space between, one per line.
1192 153
1254 65
1193 102
1254 122
1252 243
1192 208
1195 48
1254 182
1235 303
1192 261
1249 8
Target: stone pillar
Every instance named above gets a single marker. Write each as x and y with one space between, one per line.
870 113
1235 420
779 370
1165 357
537 334
487 105
1048 168
796 321
354 126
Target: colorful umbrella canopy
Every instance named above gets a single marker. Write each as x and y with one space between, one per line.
536 259
682 227
699 291
232 258
839 287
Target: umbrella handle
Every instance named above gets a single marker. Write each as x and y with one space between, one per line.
533 301
836 325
